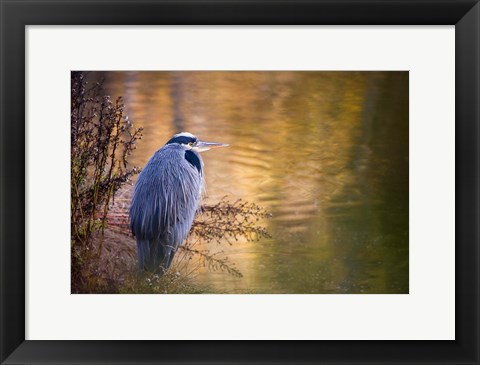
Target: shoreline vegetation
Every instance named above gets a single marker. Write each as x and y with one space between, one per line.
103 250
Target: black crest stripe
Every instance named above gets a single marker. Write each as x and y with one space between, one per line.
181 140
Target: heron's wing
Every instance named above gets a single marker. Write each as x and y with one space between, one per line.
165 198
175 236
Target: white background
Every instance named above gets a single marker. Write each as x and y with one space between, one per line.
426 313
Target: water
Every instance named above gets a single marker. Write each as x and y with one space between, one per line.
326 153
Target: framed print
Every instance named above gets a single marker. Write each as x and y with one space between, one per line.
340 213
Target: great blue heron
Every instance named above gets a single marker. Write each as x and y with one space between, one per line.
165 198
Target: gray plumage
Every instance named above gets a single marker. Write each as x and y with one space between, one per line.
165 198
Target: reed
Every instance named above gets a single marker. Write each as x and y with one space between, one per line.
102 138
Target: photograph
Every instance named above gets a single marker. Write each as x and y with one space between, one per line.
239 182
306 172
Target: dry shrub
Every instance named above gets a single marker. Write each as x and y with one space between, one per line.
102 138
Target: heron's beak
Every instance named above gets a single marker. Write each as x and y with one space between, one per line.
205 146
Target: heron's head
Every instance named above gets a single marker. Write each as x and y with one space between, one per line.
191 142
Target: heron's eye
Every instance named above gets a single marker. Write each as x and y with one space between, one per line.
190 144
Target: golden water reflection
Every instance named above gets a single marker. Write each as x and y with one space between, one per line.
325 152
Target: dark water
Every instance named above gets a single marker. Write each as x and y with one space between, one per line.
326 153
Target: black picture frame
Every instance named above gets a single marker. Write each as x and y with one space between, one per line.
16 14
